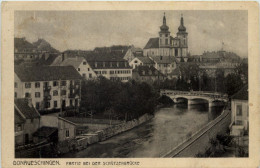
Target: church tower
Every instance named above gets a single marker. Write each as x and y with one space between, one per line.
164 35
183 36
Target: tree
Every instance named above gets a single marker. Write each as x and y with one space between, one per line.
233 83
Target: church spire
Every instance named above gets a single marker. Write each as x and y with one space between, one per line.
164 27
164 19
182 28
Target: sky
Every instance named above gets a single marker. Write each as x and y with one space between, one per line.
86 30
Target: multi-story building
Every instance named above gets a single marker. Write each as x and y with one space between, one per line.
147 74
166 45
27 121
49 87
239 116
81 65
143 61
165 65
112 67
24 50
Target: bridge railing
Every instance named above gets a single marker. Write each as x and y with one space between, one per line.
194 93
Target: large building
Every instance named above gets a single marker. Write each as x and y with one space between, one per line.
49 87
112 67
147 74
166 45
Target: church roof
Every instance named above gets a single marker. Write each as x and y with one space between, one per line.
152 43
162 59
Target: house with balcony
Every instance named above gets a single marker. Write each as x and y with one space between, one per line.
240 113
27 121
51 88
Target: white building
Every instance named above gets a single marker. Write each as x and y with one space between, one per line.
49 87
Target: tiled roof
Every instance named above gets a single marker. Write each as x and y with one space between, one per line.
45 132
18 119
242 94
163 59
147 71
145 60
46 73
28 111
22 43
152 43
75 62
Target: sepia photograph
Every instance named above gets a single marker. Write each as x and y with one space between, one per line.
130 84
104 84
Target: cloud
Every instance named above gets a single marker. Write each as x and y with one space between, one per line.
89 29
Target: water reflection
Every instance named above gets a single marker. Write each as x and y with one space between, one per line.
169 127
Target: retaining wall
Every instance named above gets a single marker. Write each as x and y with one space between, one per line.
104 134
200 141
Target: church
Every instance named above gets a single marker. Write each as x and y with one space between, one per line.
166 45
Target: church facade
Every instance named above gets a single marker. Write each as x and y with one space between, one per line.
166 45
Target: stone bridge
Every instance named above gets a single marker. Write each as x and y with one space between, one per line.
196 97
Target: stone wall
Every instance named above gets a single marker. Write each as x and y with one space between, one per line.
200 141
101 135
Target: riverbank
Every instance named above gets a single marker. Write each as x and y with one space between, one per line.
85 140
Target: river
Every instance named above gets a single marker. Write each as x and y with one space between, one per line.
169 127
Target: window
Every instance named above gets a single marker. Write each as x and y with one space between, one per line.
67 133
63 83
46 84
27 85
37 105
37 84
37 94
15 85
27 95
47 105
19 127
55 83
78 69
166 35
71 102
136 61
55 93
63 92
88 69
84 75
239 110
84 63
55 104
239 122
15 94
90 75
166 41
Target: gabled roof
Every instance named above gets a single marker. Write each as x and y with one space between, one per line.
152 43
45 132
28 111
75 62
22 43
163 59
242 94
18 119
145 60
46 73
147 71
